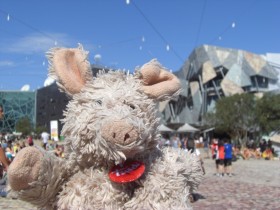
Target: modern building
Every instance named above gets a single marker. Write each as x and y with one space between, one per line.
50 105
274 60
17 105
40 107
211 73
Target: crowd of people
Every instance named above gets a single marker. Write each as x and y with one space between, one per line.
181 141
224 153
222 150
10 147
263 150
184 142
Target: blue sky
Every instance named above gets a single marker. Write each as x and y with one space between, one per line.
123 36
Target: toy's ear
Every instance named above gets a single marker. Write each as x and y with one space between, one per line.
70 68
158 83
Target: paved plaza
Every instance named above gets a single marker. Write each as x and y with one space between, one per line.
255 185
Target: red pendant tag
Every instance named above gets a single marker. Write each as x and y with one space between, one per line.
127 172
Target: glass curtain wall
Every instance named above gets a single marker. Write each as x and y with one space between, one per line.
16 105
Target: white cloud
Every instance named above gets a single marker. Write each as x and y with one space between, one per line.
25 87
36 43
48 81
97 58
7 63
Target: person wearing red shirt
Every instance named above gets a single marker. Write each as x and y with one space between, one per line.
221 157
214 149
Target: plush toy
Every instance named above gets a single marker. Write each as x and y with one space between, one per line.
111 156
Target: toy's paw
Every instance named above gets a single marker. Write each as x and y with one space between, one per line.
25 168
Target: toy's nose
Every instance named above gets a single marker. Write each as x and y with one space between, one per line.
119 132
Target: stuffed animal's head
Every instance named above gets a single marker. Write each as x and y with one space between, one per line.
112 117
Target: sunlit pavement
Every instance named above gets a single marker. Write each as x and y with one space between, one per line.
255 185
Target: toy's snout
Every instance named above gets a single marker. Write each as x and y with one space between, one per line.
119 132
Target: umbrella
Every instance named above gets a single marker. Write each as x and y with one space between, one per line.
275 138
187 128
209 129
163 128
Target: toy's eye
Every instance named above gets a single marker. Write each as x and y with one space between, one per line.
99 102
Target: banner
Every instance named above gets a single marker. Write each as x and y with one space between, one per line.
54 130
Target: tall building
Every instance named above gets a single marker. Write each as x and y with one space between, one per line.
50 105
211 73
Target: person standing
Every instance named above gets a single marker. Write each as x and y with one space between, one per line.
228 157
167 141
45 139
221 157
30 140
191 145
184 144
262 145
175 141
214 151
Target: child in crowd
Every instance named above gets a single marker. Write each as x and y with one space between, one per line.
214 150
228 157
221 157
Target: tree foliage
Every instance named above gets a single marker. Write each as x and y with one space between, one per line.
24 126
235 115
39 129
268 112
242 113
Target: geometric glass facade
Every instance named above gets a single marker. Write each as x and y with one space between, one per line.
41 106
17 105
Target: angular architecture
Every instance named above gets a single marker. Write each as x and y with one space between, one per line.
211 73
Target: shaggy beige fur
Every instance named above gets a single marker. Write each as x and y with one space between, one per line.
111 119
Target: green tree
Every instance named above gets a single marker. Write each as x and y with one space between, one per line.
39 129
235 115
24 126
268 113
